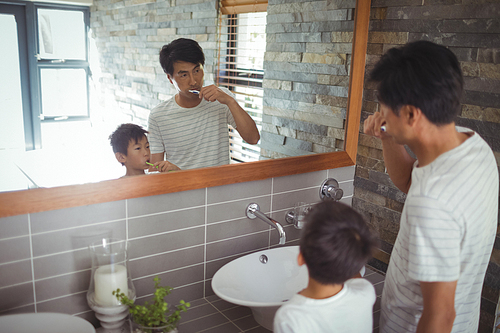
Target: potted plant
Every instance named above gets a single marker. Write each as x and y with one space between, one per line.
154 316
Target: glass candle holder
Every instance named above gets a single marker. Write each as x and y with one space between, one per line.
300 210
109 273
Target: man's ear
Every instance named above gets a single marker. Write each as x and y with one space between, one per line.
120 157
411 114
300 259
169 78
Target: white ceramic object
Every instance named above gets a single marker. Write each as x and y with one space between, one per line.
262 287
44 323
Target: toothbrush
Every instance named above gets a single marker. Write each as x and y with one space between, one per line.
196 92
151 164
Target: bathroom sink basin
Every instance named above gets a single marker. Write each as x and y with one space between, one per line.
262 280
44 323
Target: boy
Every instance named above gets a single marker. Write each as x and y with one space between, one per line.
449 220
191 127
131 148
335 244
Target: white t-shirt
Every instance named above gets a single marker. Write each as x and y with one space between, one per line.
191 137
349 311
448 226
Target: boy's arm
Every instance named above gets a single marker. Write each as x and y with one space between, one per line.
244 123
398 162
439 307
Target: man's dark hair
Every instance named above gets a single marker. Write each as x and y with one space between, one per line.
422 74
123 134
181 49
335 243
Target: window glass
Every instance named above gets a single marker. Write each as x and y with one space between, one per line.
64 92
241 69
61 34
11 107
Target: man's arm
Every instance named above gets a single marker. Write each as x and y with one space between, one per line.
439 307
157 157
398 162
244 123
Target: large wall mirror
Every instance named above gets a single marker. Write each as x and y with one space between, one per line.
284 160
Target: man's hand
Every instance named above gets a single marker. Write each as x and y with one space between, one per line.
213 93
372 125
398 162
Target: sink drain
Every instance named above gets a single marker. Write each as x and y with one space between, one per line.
263 259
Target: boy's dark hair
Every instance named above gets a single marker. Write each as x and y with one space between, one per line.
335 243
181 49
123 134
422 74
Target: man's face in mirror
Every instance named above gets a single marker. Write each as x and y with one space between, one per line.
187 76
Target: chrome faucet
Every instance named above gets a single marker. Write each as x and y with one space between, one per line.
253 211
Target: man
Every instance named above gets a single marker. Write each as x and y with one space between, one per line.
191 128
449 221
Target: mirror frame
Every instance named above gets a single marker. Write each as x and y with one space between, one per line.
45 199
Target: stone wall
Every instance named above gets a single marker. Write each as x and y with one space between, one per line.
471 29
128 36
306 79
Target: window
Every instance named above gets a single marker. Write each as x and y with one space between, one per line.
242 44
47 59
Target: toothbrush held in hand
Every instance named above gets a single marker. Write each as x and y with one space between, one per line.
151 164
196 92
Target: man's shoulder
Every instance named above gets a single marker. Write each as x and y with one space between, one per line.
166 105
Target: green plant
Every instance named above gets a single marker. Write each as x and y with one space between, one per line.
155 313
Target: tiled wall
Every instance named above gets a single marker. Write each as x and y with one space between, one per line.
182 237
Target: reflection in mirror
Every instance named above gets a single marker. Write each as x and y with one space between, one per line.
304 88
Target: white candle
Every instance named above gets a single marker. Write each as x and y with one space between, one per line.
107 279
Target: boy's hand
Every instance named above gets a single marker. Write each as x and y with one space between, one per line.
213 93
163 166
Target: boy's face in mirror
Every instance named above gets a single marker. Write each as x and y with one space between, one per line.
137 155
187 76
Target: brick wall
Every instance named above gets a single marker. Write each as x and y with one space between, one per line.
306 79
471 29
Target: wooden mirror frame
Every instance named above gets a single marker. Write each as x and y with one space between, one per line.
44 199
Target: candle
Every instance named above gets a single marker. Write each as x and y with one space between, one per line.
108 278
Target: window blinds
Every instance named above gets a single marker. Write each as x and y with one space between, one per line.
242 44
242 6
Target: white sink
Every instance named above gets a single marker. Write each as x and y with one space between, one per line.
262 287
44 323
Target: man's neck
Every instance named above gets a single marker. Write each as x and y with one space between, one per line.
436 140
187 101
317 290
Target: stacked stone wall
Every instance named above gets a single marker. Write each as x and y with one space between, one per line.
471 29
129 34
306 77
